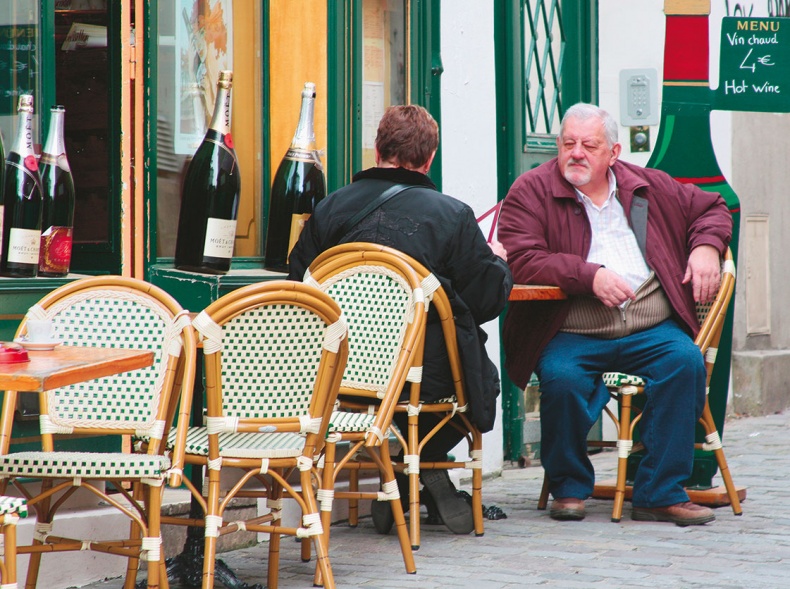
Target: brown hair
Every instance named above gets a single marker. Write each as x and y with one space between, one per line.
407 136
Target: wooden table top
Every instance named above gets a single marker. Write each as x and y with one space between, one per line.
66 365
536 292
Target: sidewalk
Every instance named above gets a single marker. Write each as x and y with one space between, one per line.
529 549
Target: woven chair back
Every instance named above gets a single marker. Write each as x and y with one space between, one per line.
269 342
121 313
382 299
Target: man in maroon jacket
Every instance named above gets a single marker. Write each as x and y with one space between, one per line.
634 249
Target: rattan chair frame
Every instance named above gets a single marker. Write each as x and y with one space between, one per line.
298 437
445 410
623 387
11 509
371 433
172 372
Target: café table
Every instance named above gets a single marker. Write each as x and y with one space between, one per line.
536 292
66 365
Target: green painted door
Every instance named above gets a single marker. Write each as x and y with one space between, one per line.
546 60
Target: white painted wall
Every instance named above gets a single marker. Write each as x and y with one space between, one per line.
468 136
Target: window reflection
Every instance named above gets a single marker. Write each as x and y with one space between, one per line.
19 64
195 42
383 66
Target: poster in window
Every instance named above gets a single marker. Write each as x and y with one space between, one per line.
18 64
204 45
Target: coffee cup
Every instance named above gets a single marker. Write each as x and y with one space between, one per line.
40 330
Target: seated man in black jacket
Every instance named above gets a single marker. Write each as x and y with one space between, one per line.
441 233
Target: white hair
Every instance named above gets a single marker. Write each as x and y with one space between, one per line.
584 111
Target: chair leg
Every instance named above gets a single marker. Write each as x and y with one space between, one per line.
543 500
272 577
320 541
133 564
388 472
477 482
212 511
353 504
9 559
624 445
328 487
154 531
714 441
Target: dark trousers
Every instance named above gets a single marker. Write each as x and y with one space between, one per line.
573 396
439 445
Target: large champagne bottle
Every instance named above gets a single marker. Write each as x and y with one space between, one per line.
57 216
22 198
297 187
685 151
210 198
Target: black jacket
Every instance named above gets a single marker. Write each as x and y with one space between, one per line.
441 233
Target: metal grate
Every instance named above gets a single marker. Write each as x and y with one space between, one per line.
544 50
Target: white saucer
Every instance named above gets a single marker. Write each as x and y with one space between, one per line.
38 346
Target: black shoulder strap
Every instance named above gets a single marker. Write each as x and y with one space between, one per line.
639 222
391 192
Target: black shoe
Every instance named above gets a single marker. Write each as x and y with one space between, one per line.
381 513
455 512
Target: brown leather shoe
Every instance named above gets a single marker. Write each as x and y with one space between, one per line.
567 509
683 514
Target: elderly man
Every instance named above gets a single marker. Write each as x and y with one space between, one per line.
441 233
634 249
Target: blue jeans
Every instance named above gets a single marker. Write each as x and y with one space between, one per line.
573 396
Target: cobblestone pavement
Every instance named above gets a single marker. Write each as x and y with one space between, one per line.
529 549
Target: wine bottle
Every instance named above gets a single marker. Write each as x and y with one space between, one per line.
298 186
210 197
22 197
684 150
57 216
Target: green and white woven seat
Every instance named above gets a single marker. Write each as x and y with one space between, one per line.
620 379
245 445
273 355
84 465
107 311
15 505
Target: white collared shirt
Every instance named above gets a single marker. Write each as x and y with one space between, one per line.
613 241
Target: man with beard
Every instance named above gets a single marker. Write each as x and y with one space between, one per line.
634 250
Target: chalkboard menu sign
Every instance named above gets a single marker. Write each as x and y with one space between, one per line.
754 68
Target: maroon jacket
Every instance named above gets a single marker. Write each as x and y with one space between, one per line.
547 234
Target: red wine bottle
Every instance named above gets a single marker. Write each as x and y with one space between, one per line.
22 198
298 186
210 197
57 216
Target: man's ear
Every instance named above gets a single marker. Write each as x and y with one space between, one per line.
378 157
616 149
427 166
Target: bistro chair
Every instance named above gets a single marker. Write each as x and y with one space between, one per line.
445 409
623 387
274 353
382 298
11 509
106 311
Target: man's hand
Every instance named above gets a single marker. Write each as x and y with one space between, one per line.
498 249
704 272
610 287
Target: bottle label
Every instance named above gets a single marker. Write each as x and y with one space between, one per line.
220 236
55 250
297 224
23 245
